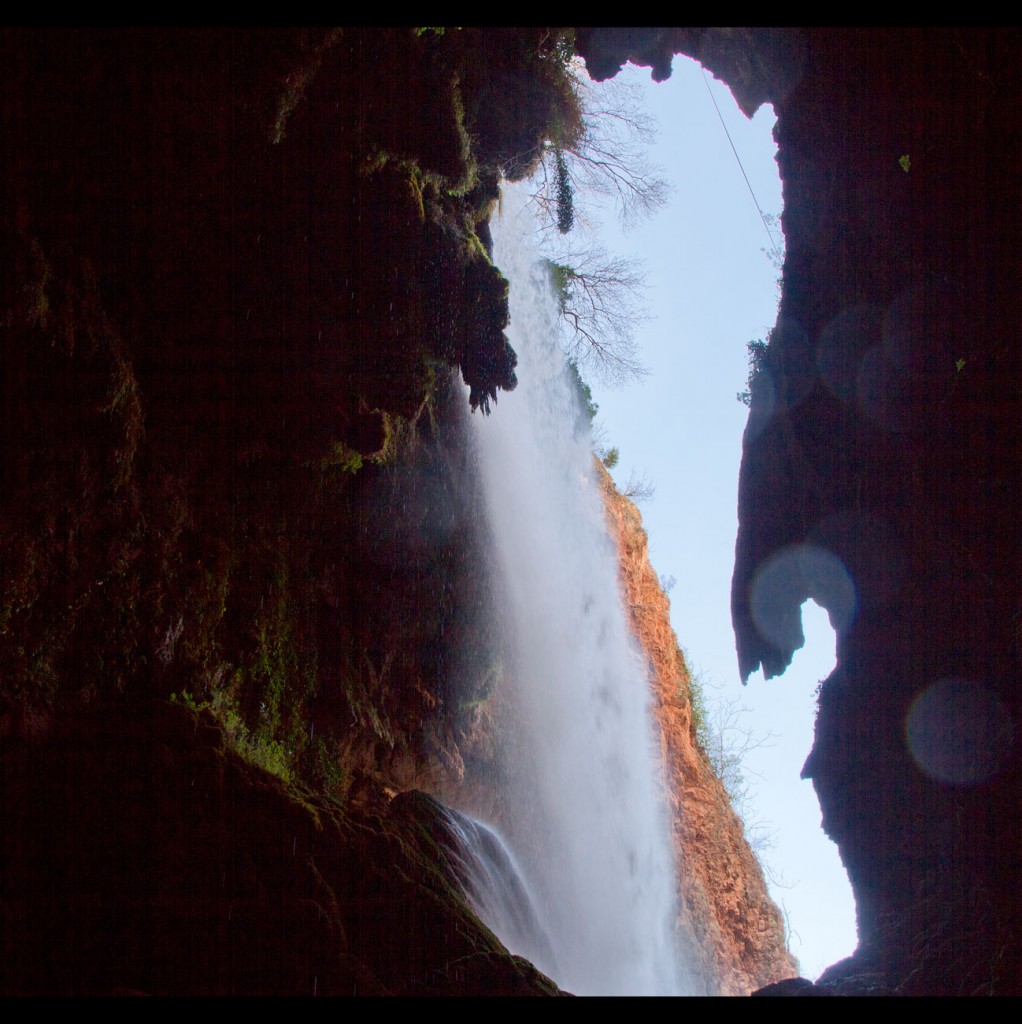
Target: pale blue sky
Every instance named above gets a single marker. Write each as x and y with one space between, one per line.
712 289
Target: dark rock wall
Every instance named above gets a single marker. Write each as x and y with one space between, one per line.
903 460
881 472
143 857
241 270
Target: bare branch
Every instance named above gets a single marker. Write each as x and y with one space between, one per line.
601 153
605 156
639 489
599 300
599 296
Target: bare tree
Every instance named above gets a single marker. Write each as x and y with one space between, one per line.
639 489
727 742
599 297
598 154
601 155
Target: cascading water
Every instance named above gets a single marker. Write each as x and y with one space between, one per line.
583 790
493 884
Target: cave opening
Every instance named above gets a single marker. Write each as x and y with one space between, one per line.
219 337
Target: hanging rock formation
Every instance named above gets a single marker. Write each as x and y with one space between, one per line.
241 266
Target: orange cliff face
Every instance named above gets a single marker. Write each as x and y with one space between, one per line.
731 932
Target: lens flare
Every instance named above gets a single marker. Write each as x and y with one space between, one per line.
959 732
787 579
843 344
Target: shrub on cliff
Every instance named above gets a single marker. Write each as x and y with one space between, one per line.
757 350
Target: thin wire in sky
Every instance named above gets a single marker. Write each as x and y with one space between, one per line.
773 244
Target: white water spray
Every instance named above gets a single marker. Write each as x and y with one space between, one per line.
493 884
584 809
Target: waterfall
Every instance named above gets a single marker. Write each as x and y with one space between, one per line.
493 884
582 788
